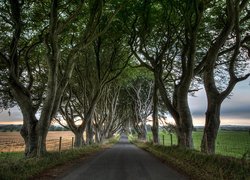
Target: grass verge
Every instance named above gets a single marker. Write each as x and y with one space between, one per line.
228 143
14 166
197 165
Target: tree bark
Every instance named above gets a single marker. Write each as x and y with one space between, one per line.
142 133
214 97
98 138
89 133
155 127
79 140
186 121
28 131
25 136
212 125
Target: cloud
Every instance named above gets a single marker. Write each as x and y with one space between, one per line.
236 106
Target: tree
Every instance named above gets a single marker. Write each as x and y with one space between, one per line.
107 118
28 37
140 92
98 66
165 43
227 54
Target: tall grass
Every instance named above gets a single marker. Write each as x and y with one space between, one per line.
200 166
14 166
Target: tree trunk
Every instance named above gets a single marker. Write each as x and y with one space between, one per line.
25 136
184 136
212 125
97 136
29 134
155 127
79 141
142 135
186 121
214 96
28 131
89 133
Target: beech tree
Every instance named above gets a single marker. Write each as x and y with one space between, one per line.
227 54
165 42
107 119
27 35
140 92
98 66
68 55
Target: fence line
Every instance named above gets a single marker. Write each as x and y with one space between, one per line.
58 144
238 149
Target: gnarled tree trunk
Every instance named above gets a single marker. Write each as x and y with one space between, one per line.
212 125
186 121
89 133
155 127
142 133
79 140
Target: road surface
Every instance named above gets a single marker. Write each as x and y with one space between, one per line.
124 161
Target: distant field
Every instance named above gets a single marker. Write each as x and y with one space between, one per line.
229 143
13 142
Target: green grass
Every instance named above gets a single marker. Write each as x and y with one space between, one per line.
15 166
197 165
229 143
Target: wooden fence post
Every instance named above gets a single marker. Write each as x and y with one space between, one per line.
171 139
60 144
72 142
163 140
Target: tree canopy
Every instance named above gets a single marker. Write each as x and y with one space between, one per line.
104 66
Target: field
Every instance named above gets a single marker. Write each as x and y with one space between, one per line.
13 142
229 143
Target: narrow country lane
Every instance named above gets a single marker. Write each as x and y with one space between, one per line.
124 161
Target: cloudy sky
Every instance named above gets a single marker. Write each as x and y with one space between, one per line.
235 111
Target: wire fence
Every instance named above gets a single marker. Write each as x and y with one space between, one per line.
236 145
58 144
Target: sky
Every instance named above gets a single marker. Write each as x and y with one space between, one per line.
235 110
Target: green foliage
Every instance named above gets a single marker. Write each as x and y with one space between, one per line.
200 166
132 74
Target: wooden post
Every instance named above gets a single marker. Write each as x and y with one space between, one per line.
60 144
171 139
72 142
163 140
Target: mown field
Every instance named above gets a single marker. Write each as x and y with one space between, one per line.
13 142
229 143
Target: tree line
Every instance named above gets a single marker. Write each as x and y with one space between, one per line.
17 128
102 66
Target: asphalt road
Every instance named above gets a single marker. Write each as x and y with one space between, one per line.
124 161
